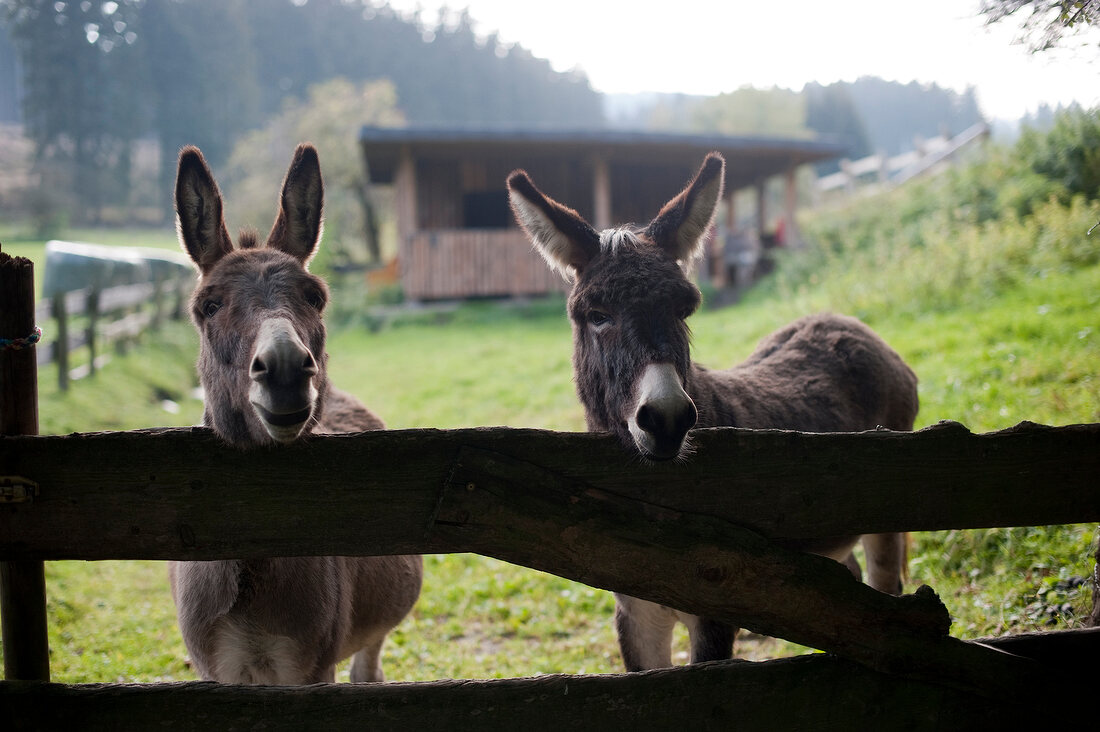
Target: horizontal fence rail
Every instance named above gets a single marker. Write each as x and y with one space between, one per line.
186 495
805 693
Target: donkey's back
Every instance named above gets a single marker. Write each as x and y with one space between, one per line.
821 373
345 413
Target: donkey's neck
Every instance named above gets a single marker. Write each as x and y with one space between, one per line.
743 396
717 396
230 424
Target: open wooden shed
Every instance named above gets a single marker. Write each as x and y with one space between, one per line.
456 234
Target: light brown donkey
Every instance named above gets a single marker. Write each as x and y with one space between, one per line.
629 305
262 363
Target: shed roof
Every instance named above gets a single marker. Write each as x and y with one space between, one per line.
748 158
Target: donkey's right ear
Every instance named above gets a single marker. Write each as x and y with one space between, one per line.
199 221
565 240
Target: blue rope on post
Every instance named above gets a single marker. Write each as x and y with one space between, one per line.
16 344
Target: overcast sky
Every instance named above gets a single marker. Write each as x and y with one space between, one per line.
715 46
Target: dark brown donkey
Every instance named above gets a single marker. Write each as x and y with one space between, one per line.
634 374
263 368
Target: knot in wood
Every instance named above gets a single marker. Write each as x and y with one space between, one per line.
715 575
187 535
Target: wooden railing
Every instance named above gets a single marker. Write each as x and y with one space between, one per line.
704 536
882 170
94 319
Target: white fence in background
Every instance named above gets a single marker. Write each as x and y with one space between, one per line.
884 171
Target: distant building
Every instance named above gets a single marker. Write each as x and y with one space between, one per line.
456 235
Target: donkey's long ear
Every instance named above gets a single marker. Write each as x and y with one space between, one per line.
297 228
680 226
562 237
199 222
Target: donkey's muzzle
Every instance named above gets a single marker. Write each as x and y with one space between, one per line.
282 369
664 413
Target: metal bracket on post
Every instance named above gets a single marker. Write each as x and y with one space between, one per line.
17 489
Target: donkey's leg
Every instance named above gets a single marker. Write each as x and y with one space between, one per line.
366 664
645 633
887 557
323 676
711 640
853 566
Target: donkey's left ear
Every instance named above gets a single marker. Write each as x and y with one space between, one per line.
566 241
681 225
297 228
199 221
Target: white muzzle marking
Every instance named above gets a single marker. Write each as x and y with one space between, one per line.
282 392
663 409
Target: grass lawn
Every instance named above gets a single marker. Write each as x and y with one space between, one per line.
1027 355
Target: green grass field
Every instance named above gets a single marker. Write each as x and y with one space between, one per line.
1027 349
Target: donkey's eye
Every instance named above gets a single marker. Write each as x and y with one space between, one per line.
316 299
598 318
209 307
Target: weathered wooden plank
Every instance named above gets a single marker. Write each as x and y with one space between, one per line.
805 693
186 495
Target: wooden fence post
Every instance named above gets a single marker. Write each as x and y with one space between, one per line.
22 583
180 292
160 284
61 342
93 323
1094 616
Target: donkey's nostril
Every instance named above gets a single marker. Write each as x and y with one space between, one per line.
258 370
687 418
648 419
667 425
309 366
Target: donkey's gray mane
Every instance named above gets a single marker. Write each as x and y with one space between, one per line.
611 240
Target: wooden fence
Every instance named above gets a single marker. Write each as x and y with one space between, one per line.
706 536
93 319
885 171
711 530
462 263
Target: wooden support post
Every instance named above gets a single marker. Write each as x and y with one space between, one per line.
791 238
61 342
404 184
179 296
405 198
93 323
159 285
601 184
718 255
125 336
761 208
23 582
1094 617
